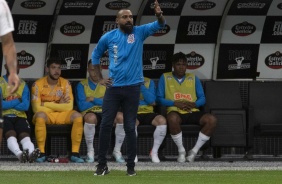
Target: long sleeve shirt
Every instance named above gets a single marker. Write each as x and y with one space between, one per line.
22 105
80 97
201 99
149 94
50 96
125 53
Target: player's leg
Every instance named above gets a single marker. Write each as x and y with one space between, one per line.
174 121
75 118
22 129
208 124
90 122
119 138
39 120
159 134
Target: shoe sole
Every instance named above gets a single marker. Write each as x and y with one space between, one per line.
131 174
24 157
34 156
104 173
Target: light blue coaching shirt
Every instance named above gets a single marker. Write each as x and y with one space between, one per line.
125 53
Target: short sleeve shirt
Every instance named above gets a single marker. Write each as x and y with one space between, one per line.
6 20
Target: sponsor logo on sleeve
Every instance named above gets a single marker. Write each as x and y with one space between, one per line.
274 61
243 29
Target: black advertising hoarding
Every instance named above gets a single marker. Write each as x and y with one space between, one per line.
10 3
198 29
249 7
272 30
156 59
101 25
74 59
237 61
32 28
169 7
82 7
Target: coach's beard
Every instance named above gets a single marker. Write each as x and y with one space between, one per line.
127 28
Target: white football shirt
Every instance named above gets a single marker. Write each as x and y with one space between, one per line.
6 20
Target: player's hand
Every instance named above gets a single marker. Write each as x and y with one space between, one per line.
65 99
89 99
190 105
106 82
13 83
180 104
157 8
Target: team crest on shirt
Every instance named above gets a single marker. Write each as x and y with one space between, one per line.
59 93
130 38
190 79
169 77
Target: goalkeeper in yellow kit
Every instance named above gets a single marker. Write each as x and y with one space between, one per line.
52 103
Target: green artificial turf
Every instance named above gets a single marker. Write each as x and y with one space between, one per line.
143 177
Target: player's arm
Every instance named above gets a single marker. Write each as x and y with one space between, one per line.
159 13
25 100
36 100
66 101
201 98
80 98
149 94
9 104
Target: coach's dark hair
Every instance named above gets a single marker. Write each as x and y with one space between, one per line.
53 60
178 56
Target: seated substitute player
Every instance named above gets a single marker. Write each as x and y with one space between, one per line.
52 103
89 98
182 93
16 126
146 115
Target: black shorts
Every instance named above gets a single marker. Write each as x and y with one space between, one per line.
191 118
19 125
146 118
98 115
